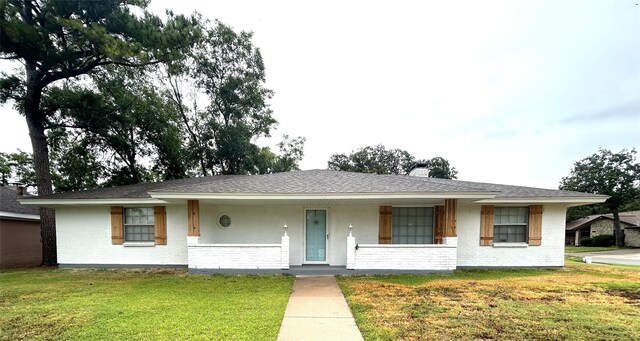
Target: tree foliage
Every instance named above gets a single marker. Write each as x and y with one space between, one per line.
380 160
58 40
614 174
128 129
373 159
219 91
439 167
95 108
17 168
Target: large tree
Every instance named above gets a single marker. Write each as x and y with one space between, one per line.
380 160
439 167
58 40
17 167
373 159
126 126
614 174
219 91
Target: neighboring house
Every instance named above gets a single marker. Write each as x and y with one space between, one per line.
632 236
598 224
363 222
19 230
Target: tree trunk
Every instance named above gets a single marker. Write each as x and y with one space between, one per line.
131 156
35 122
617 231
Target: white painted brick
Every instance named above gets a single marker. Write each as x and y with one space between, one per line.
284 252
351 252
227 256
84 237
405 257
549 253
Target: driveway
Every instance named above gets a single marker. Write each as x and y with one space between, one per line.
624 256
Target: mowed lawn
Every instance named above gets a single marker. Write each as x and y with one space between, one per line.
52 304
579 302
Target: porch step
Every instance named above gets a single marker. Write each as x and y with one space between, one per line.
318 270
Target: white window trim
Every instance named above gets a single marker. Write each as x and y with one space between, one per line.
510 245
138 244
526 229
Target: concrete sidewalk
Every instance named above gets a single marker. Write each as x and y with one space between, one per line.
317 310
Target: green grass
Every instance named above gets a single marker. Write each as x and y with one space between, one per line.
576 249
578 302
53 304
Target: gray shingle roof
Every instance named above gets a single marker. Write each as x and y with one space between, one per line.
314 182
510 191
321 181
9 203
137 191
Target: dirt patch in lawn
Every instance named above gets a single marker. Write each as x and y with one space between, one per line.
576 303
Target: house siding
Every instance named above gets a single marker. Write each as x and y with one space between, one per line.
84 237
549 253
264 225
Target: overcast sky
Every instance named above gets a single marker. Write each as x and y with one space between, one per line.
509 92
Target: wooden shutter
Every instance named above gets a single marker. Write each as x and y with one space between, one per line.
193 217
384 234
486 225
535 224
450 217
439 224
117 227
160 225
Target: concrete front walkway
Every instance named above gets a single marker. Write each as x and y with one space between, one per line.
317 310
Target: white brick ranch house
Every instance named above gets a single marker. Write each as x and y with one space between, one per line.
275 222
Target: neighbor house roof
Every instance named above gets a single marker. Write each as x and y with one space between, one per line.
318 183
631 218
11 208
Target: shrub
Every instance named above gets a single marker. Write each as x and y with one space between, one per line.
603 240
586 242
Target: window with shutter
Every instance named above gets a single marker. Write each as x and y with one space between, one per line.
139 224
117 231
511 225
412 225
160 225
384 228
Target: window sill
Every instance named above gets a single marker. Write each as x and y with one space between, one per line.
510 245
139 244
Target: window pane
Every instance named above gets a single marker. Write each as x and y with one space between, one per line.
138 224
510 233
412 225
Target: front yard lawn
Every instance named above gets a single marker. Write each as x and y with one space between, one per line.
579 302
52 304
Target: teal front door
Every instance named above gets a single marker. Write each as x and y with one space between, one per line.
316 236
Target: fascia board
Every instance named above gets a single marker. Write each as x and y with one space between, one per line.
559 200
115 201
21 216
315 196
